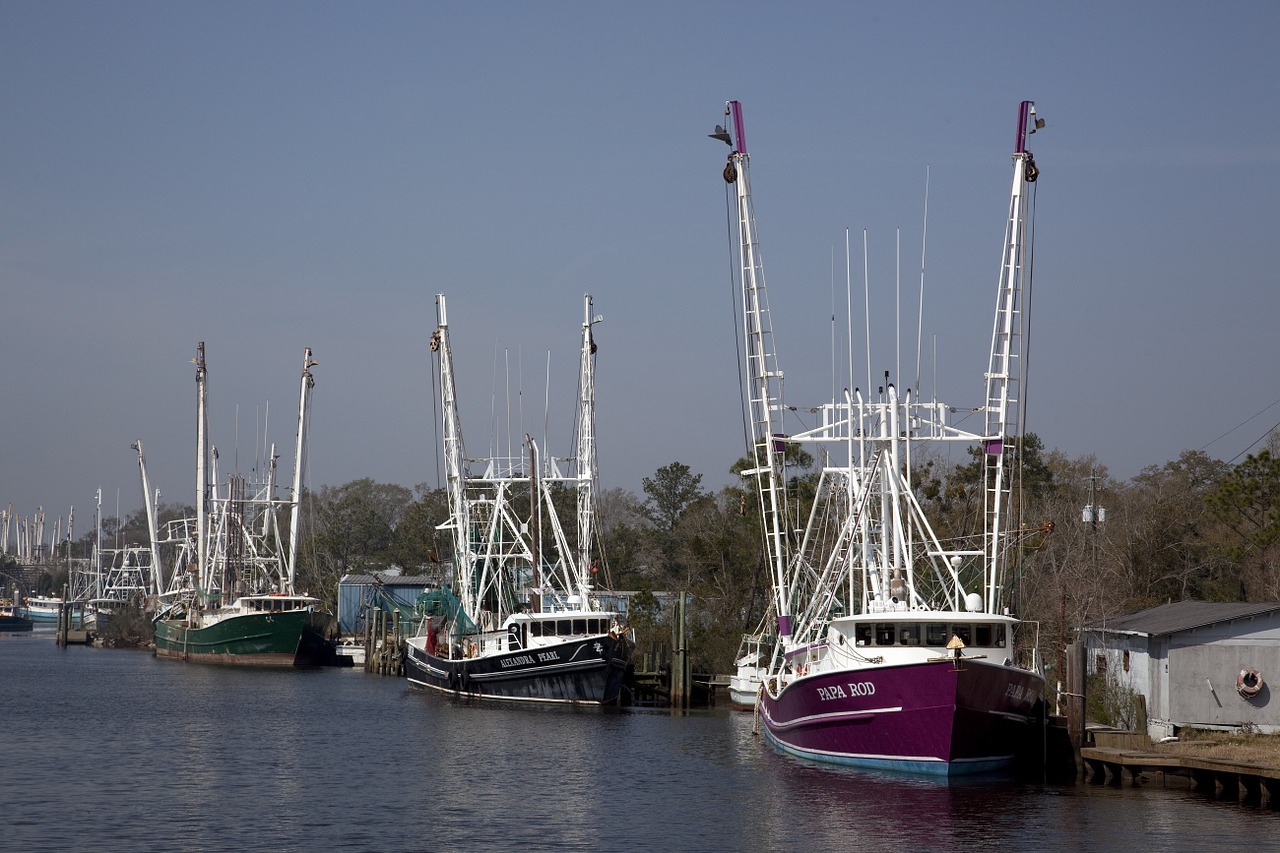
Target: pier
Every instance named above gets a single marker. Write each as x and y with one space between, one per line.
1243 782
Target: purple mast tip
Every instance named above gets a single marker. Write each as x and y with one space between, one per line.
739 130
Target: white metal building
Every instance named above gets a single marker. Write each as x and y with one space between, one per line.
1198 664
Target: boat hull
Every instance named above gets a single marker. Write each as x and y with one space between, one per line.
944 718
289 638
744 691
586 671
13 623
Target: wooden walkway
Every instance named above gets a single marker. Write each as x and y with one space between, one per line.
1243 782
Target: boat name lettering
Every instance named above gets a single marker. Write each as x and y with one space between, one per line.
518 660
543 657
1019 693
853 688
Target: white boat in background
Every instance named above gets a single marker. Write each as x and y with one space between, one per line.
42 609
750 669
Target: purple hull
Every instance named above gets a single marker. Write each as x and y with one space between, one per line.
941 717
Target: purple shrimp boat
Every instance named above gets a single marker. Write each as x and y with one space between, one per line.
893 647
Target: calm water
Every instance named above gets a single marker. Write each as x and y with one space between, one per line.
104 750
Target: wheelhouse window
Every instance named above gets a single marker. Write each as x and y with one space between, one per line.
862 634
982 634
964 632
909 635
936 634
885 633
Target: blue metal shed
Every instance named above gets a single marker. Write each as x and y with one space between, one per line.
386 590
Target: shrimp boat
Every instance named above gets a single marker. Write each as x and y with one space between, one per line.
520 621
42 609
240 605
894 650
11 618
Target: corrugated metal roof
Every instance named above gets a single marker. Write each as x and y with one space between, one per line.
1182 616
387 580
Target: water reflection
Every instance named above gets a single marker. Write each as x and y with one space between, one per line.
114 750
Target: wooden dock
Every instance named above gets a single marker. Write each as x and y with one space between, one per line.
1242 782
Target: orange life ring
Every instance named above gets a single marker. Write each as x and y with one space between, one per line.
1249 682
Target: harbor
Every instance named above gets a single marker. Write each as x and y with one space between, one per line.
280 754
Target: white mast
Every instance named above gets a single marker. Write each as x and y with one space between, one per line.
97 546
202 461
299 461
763 379
1003 403
157 571
588 474
454 455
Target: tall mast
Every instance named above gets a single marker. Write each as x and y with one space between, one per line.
97 546
588 475
1003 403
763 379
202 461
157 570
299 462
454 455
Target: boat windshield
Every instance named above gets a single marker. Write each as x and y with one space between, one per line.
982 634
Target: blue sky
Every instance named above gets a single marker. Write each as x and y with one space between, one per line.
269 176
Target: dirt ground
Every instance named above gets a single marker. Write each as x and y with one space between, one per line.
1250 748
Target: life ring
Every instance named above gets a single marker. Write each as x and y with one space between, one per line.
1249 682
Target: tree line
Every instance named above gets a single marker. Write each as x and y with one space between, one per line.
1192 528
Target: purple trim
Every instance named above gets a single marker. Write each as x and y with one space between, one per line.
784 626
1020 145
739 129
995 446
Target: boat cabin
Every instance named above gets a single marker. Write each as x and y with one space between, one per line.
275 603
529 630
524 631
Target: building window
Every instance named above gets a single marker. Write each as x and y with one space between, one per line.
1126 660
1100 663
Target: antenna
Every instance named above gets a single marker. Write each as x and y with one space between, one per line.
924 233
866 302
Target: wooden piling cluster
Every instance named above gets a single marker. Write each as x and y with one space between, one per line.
1242 782
383 645
65 635
664 676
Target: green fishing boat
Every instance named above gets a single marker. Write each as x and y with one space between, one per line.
255 630
239 605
